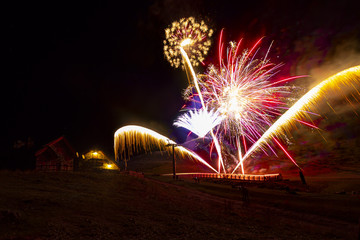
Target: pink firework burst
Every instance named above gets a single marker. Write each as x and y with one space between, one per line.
243 91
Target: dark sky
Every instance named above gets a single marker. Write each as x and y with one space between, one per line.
83 69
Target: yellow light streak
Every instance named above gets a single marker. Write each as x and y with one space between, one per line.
130 139
195 80
306 103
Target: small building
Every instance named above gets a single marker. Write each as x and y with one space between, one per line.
97 159
57 155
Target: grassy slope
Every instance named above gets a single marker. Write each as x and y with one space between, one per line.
112 206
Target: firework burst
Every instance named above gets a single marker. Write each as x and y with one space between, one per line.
243 92
199 121
246 101
193 37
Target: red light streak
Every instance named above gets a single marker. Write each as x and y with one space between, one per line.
284 150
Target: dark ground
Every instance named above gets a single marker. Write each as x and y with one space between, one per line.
112 205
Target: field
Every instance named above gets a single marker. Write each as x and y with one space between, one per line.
114 205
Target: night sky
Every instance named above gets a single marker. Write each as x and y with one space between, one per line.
83 69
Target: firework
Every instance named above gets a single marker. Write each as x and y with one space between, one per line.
199 121
244 94
189 35
132 139
180 37
242 90
244 98
306 103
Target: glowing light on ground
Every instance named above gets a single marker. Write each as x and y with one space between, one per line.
246 177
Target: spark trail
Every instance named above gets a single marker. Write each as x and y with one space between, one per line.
194 37
195 80
306 103
130 139
243 90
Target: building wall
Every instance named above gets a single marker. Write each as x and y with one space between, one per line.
55 165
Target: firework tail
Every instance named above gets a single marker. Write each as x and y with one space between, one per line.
286 152
188 64
305 103
216 142
130 139
240 157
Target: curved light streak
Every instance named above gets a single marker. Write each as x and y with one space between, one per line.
216 141
305 103
130 139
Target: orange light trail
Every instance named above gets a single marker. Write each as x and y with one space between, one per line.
306 102
130 139
195 80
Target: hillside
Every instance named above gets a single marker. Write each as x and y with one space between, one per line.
112 205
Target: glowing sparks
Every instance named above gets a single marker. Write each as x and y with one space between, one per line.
195 81
192 36
186 42
132 139
306 103
244 93
247 98
244 98
199 122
